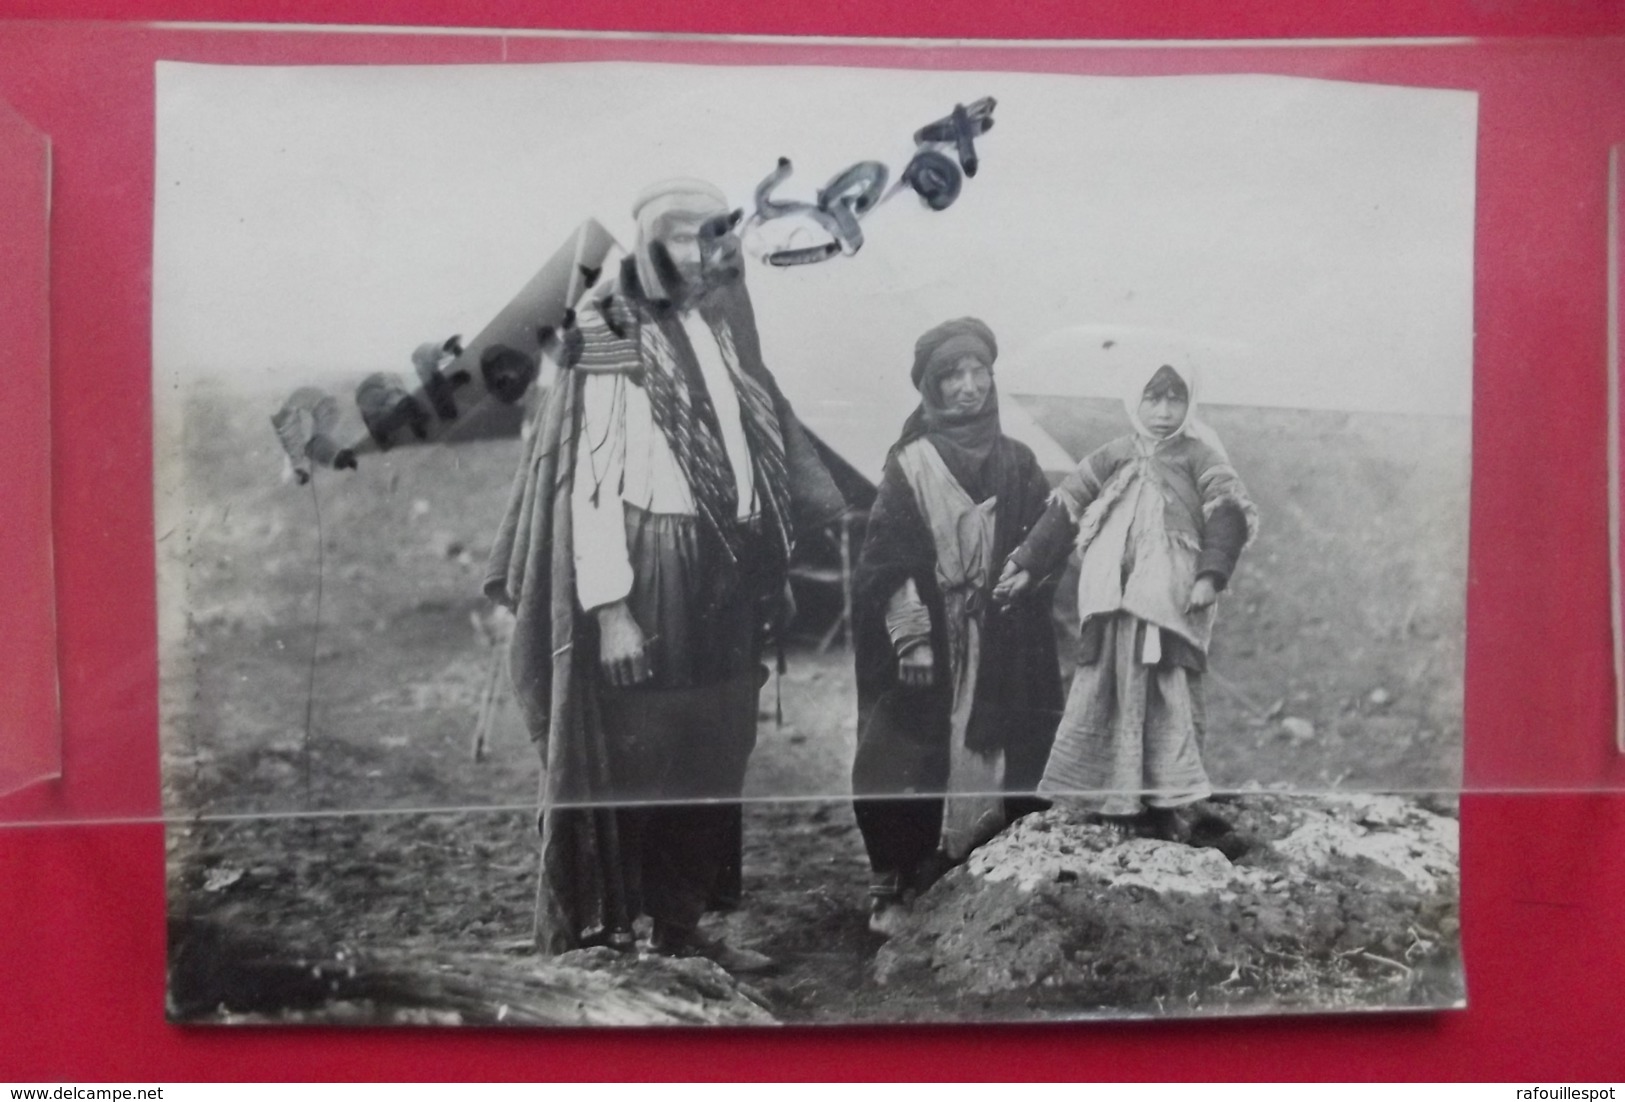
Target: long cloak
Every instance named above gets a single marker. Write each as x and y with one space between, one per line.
582 894
903 730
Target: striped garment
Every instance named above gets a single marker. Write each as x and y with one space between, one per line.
625 334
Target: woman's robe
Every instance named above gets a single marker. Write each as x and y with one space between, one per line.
905 741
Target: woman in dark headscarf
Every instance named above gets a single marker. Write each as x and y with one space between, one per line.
957 700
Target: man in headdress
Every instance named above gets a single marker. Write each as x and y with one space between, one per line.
673 470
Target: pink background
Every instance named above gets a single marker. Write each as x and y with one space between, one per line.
81 911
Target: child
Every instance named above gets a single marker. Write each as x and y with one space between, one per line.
1160 518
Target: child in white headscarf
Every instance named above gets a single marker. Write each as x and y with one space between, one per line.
1160 518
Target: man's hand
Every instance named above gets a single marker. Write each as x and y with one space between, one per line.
1012 583
1203 594
918 668
622 651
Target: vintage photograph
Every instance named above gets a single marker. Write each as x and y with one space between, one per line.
745 544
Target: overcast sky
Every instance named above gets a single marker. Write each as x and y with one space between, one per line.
1311 241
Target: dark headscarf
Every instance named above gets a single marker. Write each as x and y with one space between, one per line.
966 443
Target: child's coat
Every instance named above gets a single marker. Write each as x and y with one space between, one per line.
1148 515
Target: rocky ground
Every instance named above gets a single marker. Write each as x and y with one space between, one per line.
1307 904
1337 665
1328 904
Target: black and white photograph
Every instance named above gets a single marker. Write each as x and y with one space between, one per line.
672 544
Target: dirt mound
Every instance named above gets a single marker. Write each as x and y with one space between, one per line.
1328 902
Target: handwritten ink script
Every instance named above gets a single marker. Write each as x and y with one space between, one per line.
305 426
840 205
393 411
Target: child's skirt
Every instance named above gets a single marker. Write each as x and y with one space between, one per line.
1131 732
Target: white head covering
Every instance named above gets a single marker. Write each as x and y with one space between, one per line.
1135 380
689 196
680 193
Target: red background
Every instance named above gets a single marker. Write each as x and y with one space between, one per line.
81 908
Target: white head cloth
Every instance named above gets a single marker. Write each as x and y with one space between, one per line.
695 197
1134 380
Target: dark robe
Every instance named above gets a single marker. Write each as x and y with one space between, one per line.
584 896
903 731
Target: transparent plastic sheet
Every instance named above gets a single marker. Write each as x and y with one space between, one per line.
376 701
30 735
1616 506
